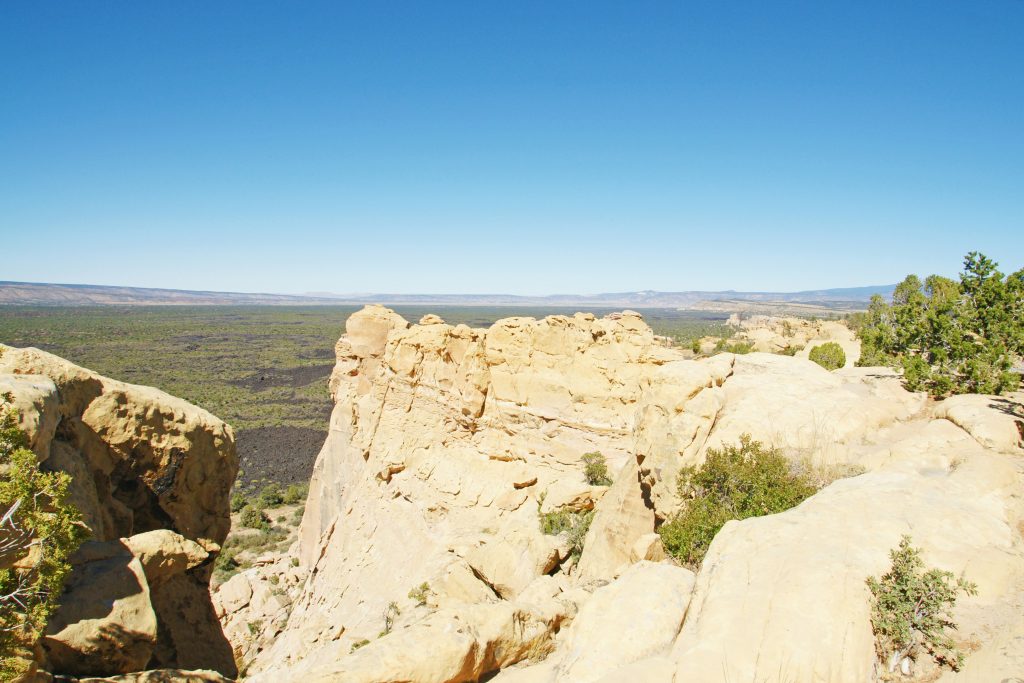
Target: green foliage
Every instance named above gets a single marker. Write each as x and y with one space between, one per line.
238 502
950 337
230 559
695 345
255 518
595 469
420 593
829 355
358 644
735 482
572 523
271 496
295 493
911 609
789 350
39 532
739 347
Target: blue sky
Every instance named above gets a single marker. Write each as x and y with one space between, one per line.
527 147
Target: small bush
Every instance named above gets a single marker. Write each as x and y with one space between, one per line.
790 350
829 355
271 496
740 347
420 593
254 518
574 524
911 609
295 493
695 346
595 469
735 482
238 502
358 644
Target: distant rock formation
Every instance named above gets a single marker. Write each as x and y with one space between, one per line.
151 475
446 443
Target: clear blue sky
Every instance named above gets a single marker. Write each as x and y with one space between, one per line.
520 147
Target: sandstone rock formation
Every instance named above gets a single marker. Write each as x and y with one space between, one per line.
447 443
151 475
773 334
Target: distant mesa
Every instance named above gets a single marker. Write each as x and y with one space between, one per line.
49 294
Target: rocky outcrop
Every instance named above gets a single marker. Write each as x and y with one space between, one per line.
448 443
151 475
773 334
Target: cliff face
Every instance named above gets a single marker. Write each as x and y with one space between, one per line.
151 475
445 442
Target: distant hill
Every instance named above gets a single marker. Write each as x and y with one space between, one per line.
45 294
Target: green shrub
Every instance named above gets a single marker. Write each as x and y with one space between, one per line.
790 350
911 609
740 347
255 518
37 522
295 493
358 644
420 593
238 501
829 355
572 523
950 337
271 496
595 469
735 482
695 346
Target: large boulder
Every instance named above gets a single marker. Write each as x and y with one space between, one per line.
105 623
622 517
150 473
794 583
157 460
165 554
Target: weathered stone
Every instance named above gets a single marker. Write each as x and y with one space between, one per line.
105 623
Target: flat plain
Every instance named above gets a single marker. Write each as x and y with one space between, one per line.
262 369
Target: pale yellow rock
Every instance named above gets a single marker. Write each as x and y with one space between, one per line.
794 583
621 518
35 400
648 547
511 561
233 594
181 458
652 670
635 617
165 554
571 494
445 647
105 623
802 408
996 422
82 492
435 426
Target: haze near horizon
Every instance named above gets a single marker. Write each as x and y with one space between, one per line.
533 149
